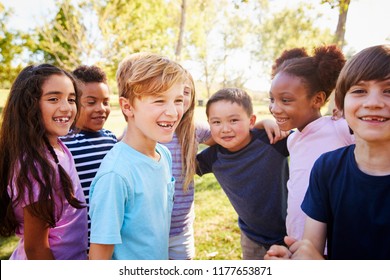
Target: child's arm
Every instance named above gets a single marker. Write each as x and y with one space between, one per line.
315 232
101 251
272 129
36 237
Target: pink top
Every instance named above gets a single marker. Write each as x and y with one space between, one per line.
68 240
320 136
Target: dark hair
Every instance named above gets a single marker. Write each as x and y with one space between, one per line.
234 95
318 72
370 64
23 152
90 74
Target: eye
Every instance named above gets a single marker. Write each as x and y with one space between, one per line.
234 120
158 101
285 100
187 92
215 122
53 99
179 101
106 103
271 99
72 100
358 91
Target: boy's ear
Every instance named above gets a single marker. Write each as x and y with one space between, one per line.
252 121
126 107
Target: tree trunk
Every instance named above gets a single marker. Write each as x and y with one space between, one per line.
339 41
340 30
181 30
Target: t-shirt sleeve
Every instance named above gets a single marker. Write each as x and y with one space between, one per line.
205 160
202 132
108 198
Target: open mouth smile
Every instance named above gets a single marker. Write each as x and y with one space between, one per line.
62 119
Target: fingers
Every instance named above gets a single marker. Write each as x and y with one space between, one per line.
277 252
289 240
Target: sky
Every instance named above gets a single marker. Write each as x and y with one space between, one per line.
368 21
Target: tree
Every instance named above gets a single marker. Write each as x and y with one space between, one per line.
290 28
218 31
343 6
63 41
10 47
126 27
179 44
339 37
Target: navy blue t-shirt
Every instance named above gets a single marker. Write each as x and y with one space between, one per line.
255 181
354 205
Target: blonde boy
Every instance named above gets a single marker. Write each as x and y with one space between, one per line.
132 193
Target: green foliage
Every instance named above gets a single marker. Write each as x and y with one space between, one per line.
10 48
63 41
132 26
291 28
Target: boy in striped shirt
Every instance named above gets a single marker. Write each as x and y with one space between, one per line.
89 142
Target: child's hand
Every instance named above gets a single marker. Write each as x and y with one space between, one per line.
278 252
304 250
273 131
336 114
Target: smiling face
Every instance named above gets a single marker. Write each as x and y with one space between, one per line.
230 125
290 103
154 118
95 106
367 110
58 106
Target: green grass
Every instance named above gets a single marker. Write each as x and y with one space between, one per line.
217 236
7 245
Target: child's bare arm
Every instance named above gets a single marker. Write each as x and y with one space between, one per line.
36 237
101 251
272 129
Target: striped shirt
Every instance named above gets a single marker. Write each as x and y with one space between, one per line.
184 200
88 150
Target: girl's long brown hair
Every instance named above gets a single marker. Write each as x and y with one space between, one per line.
23 153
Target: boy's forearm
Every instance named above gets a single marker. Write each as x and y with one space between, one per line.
101 251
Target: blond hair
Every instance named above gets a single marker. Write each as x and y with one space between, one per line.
185 132
143 74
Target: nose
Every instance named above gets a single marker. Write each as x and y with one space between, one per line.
100 107
172 110
225 127
373 100
65 106
274 108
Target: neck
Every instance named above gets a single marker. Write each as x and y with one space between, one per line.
373 158
144 146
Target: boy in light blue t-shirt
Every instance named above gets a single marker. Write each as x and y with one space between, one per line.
131 197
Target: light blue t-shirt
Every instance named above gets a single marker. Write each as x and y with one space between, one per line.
131 200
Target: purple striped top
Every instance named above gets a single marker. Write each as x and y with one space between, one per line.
182 216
